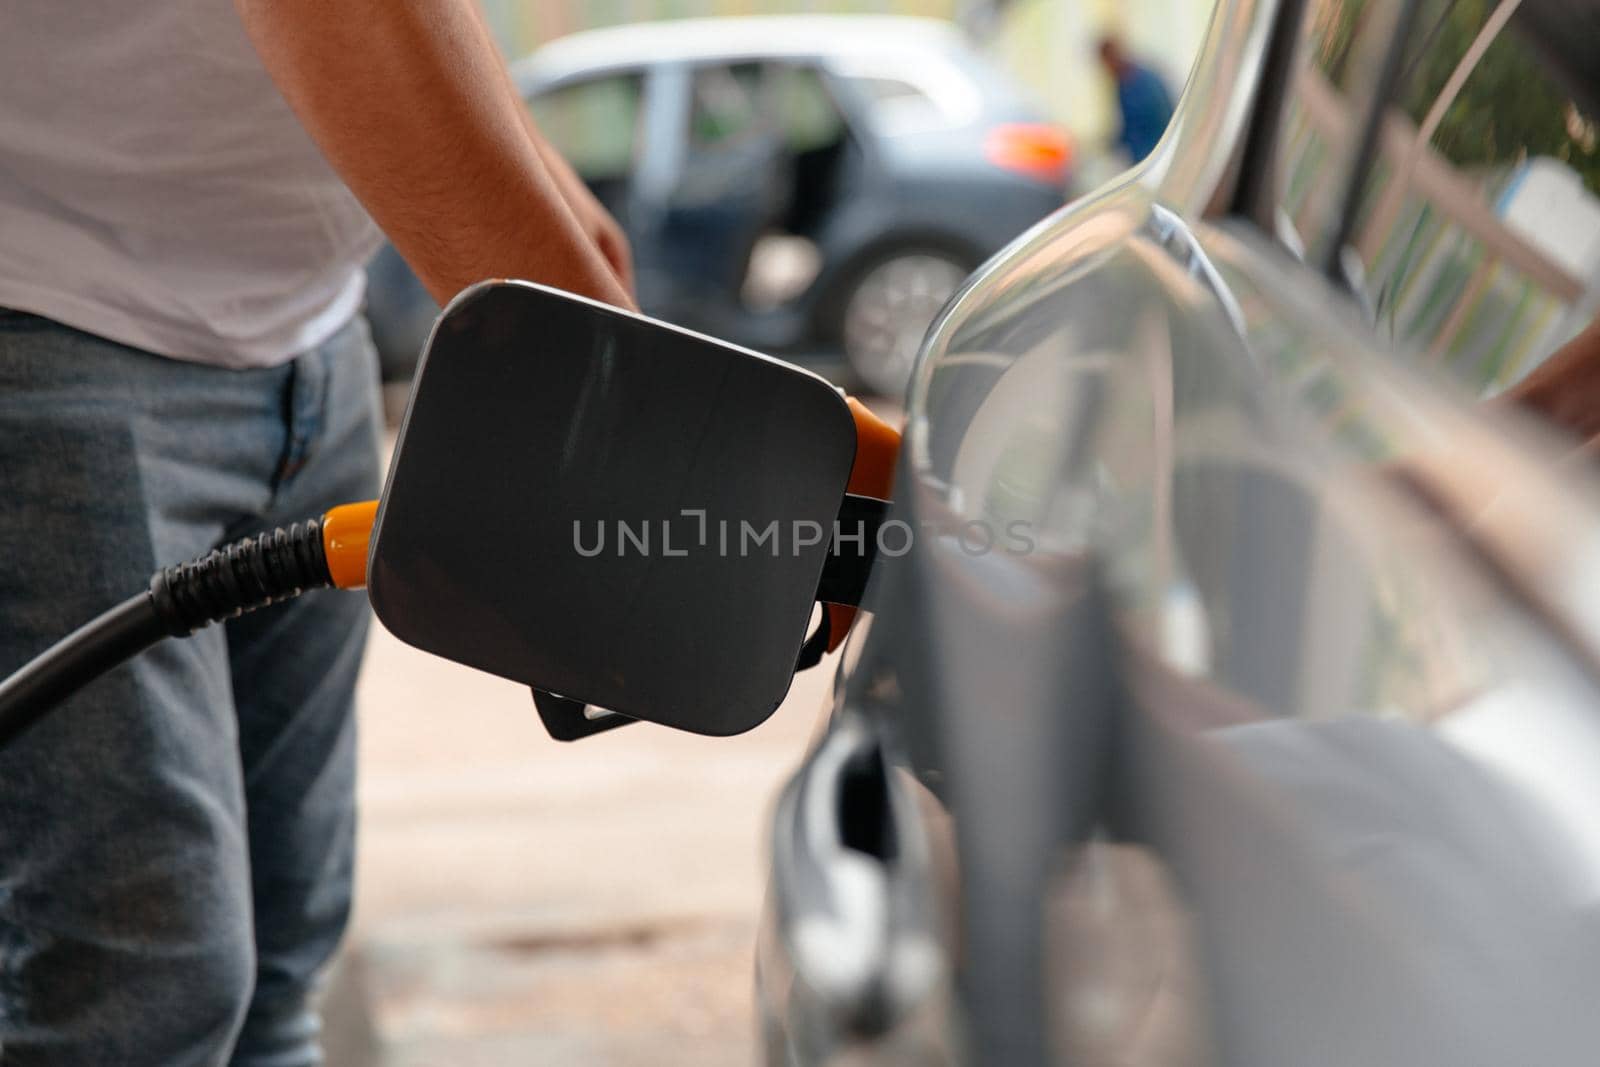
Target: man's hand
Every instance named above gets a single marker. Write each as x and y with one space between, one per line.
606 234
411 104
595 220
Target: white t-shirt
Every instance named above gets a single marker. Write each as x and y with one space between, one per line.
156 189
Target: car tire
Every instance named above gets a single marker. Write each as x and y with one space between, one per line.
885 306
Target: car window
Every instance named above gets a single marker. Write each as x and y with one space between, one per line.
805 109
725 104
908 94
593 124
1345 44
1478 228
898 104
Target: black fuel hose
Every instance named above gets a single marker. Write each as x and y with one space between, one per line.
224 583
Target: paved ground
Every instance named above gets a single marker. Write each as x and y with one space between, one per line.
522 901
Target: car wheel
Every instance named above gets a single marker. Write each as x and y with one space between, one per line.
887 310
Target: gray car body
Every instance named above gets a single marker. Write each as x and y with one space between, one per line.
897 191
1279 745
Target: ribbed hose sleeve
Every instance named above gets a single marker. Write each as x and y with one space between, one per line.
222 584
240 577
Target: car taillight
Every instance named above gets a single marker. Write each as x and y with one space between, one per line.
1032 149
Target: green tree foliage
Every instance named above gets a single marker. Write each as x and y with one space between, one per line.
1512 107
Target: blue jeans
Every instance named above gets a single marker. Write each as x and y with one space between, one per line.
176 840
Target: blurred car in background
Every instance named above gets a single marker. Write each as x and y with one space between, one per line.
800 185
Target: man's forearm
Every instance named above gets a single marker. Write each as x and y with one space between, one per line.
410 103
561 171
565 179
593 218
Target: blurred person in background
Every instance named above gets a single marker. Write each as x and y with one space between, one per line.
188 192
1143 102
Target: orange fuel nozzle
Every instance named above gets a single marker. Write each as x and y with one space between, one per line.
346 532
877 448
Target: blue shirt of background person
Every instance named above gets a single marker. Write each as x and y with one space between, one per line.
1142 99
